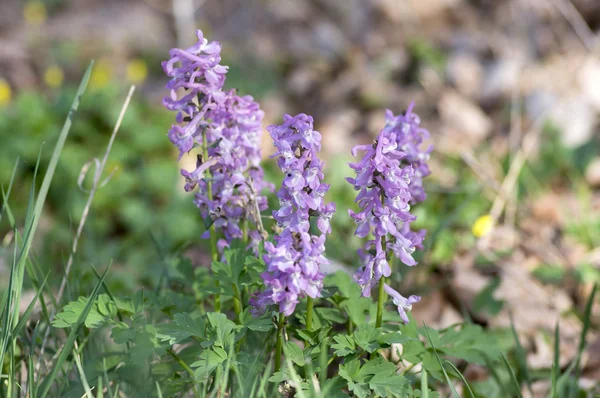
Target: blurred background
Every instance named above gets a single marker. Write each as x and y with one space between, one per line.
510 91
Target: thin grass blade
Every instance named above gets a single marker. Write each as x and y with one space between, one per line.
513 377
520 356
10 184
462 377
452 388
556 363
27 314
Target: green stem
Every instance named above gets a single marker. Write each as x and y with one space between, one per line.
279 345
381 296
380 301
309 313
237 302
245 231
213 233
186 367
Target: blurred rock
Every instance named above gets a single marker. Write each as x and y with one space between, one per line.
464 121
576 119
302 80
337 130
436 312
466 73
151 30
546 208
540 389
589 80
375 122
500 78
538 103
414 10
290 10
592 172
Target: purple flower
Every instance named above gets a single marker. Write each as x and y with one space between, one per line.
404 304
230 126
388 180
409 138
294 259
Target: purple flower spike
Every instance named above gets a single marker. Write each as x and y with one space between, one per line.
294 260
389 180
231 127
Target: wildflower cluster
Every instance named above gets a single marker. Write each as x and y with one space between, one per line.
294 260
228 128
389 179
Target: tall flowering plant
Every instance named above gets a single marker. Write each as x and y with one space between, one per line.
388 180
294 260
226 128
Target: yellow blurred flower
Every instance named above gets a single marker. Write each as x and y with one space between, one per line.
101 74
34 13
137 71
482 226
5 92
54 76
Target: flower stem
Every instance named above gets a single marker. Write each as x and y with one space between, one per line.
381 292
238 307
279 345
213 232
309 313
380 301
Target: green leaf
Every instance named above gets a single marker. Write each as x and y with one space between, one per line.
121 333
367 337
209 360
102 310
236 260
352 302
182 327
332 315
344 345
386 385
356 383
221 328
68 344
294 353
262 324
394 338
485 300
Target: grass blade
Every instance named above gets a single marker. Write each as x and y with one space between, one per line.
33 217
556 363
8 308
452 388
586 326
25 317
158 392
69 343
10 184
513 377
461 377
520 356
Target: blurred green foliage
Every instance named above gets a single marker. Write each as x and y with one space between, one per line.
142 196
